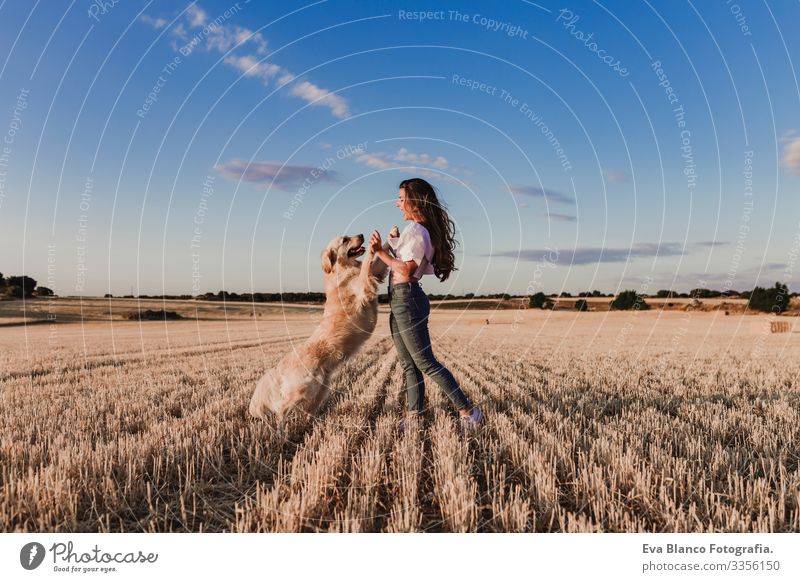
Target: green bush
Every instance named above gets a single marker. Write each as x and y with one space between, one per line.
582 305
775 299
153 315
21 286
629 300
537 300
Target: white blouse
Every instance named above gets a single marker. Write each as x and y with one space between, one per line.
413 244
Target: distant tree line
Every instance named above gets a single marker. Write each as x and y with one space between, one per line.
773 299
701 293
309 297
536 300
296 297
22 287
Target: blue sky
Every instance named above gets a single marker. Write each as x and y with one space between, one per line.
189 147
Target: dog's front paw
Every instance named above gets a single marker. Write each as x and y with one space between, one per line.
395 232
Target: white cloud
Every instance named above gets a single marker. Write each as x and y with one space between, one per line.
179 30
251 67
154 22
321 97
224 37
378 161
381 160
409 160
196 15
791 157
403 155
217 35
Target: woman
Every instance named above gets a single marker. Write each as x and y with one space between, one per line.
425 247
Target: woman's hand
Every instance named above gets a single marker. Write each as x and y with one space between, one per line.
375 243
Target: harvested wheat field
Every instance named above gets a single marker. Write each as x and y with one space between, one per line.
613 421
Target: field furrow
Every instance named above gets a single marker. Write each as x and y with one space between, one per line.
146 429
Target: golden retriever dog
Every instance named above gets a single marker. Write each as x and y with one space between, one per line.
349 318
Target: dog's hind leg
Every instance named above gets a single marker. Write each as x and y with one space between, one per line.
281 420
276 426
280 429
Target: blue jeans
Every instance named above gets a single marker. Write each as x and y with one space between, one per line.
408 323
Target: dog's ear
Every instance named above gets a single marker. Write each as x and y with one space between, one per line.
328 260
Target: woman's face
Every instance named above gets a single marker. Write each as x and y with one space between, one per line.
405 205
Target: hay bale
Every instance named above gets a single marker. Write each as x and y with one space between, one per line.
780 326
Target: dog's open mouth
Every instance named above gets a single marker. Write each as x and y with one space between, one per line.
356 252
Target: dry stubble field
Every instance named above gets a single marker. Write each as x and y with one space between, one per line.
603 421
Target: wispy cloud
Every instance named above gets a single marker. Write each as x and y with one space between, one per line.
286 178
179 30
318 96
403 158
535 192
379 161
593 255
561 216
199 30
154 22
400 157
252 67
788 135
403 155
791 156
745 278
711 243
196 15
616 176
772 267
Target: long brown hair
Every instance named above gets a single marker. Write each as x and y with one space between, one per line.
424 200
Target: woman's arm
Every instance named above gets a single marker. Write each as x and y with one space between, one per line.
403 268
